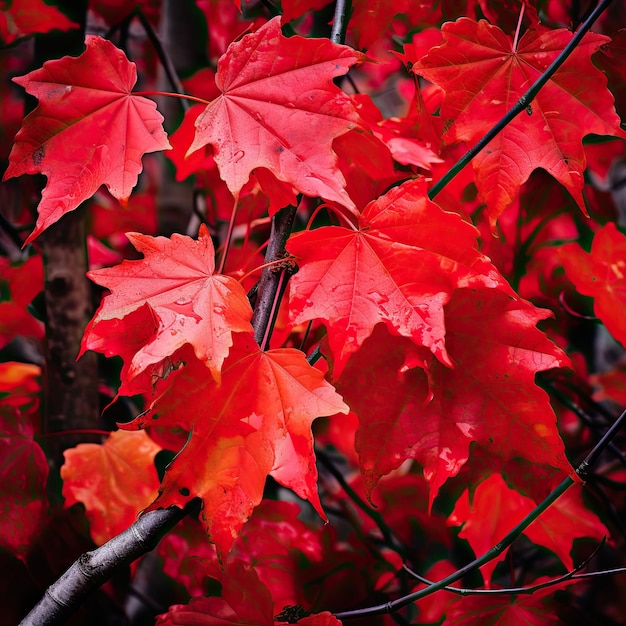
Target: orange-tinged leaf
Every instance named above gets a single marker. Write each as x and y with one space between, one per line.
399 268
257 422
88 129
483 77
601 274
26 17
279 109
20 387
115 481
191 304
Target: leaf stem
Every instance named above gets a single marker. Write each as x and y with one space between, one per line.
182 96
582 470
523 102
388 537
519 26
229 235
164 58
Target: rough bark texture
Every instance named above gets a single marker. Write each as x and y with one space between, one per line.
70 387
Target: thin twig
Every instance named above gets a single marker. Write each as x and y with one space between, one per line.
388 537
499 548
515 590
164 58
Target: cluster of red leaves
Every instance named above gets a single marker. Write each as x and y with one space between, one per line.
430 350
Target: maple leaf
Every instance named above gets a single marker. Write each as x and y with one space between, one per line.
191 304
26 17
609 59
494 509
370 20
185 162
400 267
20 388
125 338
274 542
611 384
87 130
431 412
279 109
245 601
293 9
24 472
483 75
257 422
23 282
115 481
601 274
225 23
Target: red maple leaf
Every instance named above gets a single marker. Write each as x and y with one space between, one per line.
484 73
494 509
191 304
115 481
279 109
24 472
26 17
400 267
601 274
370 20
432 413
245 601
22 282
88 129
257 422
274 542
611 385
610 60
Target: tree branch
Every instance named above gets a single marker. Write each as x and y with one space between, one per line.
93 569
268 287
